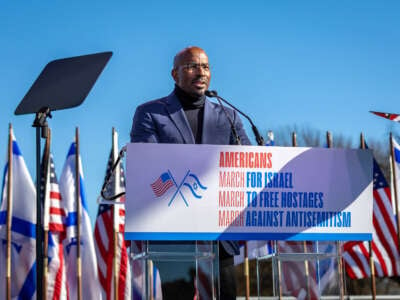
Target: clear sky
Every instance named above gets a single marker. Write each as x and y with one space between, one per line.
323 64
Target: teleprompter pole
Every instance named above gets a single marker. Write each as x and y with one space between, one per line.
40 124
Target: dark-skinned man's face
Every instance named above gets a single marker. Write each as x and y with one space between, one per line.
191 72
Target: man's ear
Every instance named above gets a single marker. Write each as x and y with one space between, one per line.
174 74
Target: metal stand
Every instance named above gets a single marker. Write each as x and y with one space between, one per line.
41 125
314 256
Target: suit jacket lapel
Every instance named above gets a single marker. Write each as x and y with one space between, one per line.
179 119
210 121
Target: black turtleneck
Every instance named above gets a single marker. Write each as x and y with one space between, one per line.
194 111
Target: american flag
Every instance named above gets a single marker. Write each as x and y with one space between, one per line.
392 117
56 211
103 234
162 184
57 287
385 251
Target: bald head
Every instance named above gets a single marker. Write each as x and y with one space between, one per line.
185 52
191 71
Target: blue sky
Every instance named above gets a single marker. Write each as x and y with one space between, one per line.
323 64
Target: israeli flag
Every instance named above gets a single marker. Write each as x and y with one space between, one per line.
90 284
23 229
396 151
270 138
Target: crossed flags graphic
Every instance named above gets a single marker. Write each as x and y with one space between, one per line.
167 181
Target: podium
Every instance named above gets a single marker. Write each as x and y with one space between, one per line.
179 194
186 269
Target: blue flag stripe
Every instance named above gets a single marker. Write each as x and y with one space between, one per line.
83 194
397 155
29 287
16 149
19 225
71 219
72 151
4 183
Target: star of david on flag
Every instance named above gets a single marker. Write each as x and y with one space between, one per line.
194 185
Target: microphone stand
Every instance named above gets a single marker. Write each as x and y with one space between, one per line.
110 199
233 129
259 138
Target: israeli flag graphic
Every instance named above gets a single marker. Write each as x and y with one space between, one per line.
192 183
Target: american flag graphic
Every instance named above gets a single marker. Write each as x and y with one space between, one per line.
385 251
392 117
103 236
162 184
54 218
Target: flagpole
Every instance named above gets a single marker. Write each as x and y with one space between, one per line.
78 217
338 244
371 258
396 200
279 271
46 206
41 128
151 278
247 270
115 210
9 212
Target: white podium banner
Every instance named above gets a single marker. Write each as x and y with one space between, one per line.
210 192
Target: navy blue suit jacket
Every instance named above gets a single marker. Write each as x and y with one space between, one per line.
164 121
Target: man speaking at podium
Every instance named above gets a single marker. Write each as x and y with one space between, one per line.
186 116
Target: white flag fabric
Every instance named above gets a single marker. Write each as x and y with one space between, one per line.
396 150
256 249
23 230
90 284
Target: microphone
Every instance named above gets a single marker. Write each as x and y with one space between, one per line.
214 94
